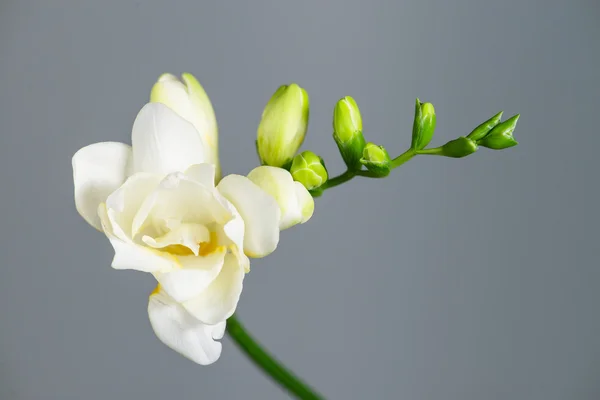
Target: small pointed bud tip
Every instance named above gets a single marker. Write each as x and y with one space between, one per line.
514 119
485 127
167 77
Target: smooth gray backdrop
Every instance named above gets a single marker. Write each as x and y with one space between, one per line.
451 279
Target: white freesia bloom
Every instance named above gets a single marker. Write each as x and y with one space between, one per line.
157 203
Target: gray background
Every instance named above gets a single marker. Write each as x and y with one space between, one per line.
451 279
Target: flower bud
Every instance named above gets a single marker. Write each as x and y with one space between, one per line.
347 131
376 159
188 99
458 148
501 137
485 128
283 125
423 125
309 169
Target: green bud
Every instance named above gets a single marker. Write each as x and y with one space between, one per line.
423 125
283 125
458 148
485 128
309 169
376 159
347 121
347 131
501 137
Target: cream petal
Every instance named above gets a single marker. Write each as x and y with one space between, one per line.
259 211
279 183
194 276
234 231
181 332
305 202
219 300
124 202
219 330
163 142
203 174
129 255
190 101
98 170
188 235
178 198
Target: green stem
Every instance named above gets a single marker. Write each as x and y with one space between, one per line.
349 174
402 158
437 151
268 363
338 180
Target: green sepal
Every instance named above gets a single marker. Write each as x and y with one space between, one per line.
484 128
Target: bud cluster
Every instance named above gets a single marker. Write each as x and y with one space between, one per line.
285 120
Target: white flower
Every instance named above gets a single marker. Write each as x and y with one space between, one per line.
157 203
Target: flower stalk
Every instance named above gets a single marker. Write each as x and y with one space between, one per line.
270 366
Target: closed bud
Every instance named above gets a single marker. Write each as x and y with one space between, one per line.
283 126
376 159
347 131
309 169
423 125
458 148
483 129
187 98
501 137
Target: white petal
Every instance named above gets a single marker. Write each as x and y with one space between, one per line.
124 202
259 211
305 202
203 174
98 170
129 255
180 331
188 235
219 300
279 183
163 142
219 330
194 276
181 199
234 230
190 101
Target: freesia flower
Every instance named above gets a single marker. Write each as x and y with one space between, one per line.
158 204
